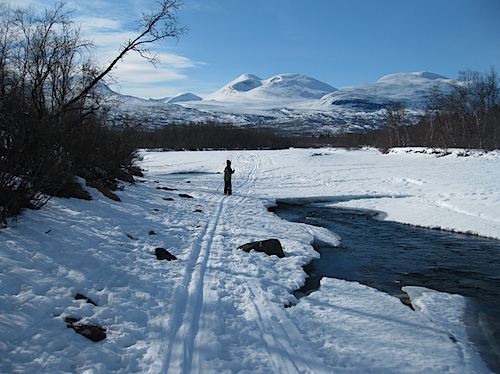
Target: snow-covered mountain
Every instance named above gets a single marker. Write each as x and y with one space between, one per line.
292 103
279 87
411 89
183 97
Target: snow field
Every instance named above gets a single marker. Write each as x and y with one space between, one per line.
220 310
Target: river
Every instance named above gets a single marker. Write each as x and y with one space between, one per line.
388 255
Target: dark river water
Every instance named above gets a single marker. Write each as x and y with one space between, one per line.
387 256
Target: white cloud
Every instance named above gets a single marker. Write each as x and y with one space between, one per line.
91 25
111 24
202 6
136 76
134 68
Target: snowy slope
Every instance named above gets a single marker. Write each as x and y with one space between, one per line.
243 83
220 310
183 97
411 89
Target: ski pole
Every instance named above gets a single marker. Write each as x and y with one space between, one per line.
220 185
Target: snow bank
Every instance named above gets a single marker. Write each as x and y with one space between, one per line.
359 329
456 191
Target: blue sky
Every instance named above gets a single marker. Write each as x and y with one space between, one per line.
340 42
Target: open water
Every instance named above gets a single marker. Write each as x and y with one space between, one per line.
387 256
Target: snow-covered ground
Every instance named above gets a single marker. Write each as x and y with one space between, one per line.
221 310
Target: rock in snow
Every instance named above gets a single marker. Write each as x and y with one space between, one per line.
163 254
270 247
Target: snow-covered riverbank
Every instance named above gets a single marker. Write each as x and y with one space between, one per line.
220 310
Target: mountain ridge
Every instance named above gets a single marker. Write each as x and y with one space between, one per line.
293 103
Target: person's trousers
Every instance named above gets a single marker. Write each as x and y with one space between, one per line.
227 188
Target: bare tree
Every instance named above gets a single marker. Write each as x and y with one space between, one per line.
48 99
467 116
396 120
474 96
153 27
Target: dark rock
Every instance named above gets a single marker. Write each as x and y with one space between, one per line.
405 299
123 175
163 254
185 195
198 211
92 332
73 189
152 232
269 246
79 296
135 171
166 188
168 199
103 189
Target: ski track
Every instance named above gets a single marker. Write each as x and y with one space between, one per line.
251 164
189 299
198 302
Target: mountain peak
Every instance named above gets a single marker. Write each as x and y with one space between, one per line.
411 76
244 83
299 80
188 96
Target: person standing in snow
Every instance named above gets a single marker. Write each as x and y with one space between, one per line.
227 178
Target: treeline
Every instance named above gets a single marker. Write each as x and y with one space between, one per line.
214 135
465 116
